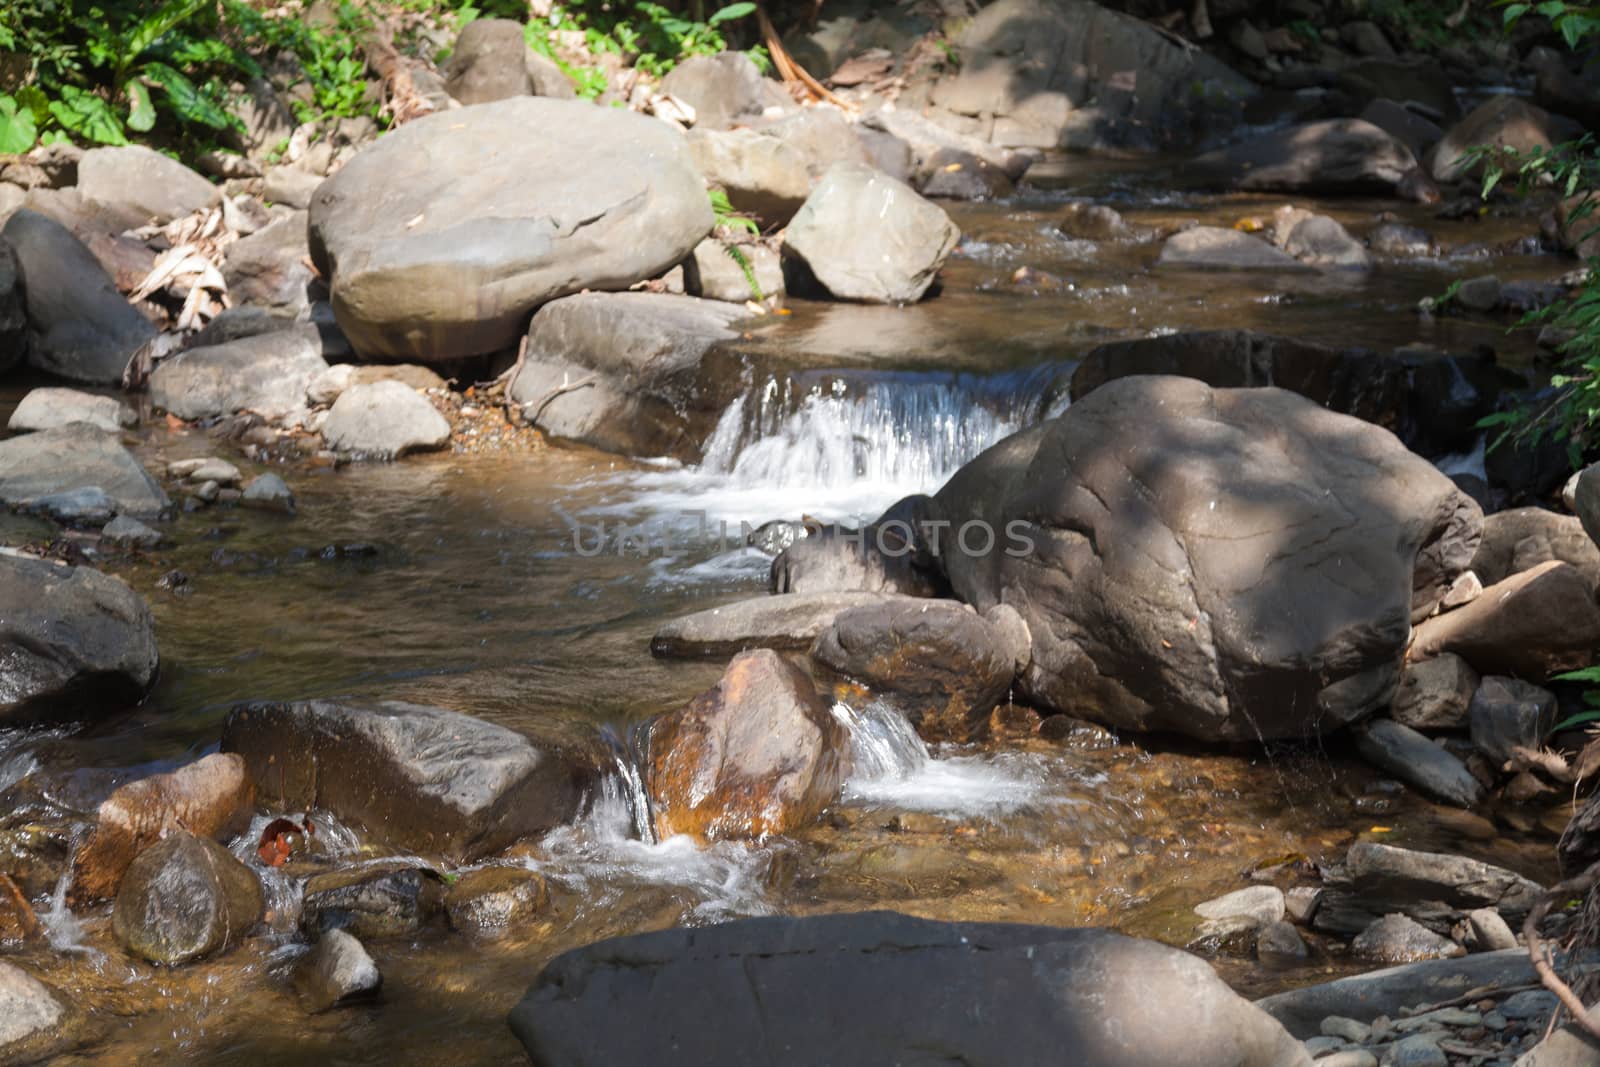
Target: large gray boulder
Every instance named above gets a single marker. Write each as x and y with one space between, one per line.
75 457
1333 156
141 185
879 988
1532 625
763 176
1041 74
384 420
439 239
622 371
51 408
1244 565
77 641
489 62
267 373
79 325
1522 538
865 236
419 778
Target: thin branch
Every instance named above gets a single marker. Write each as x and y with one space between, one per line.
1540 954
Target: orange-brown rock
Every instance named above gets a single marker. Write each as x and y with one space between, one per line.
759 753
18 923
1531 625
212 797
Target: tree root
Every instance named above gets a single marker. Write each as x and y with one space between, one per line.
1540 954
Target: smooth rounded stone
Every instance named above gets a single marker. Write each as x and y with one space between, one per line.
491 901
956 174
1093 222
792 621
373 901
1534 624
1398 939
337 971
50 408
1502 121
1508 713
1354 1057
442 236
209 469
723 89
1330 157
1355 382
269 267
1490 930
712 272
866 237
884 988
1084 549
1419 1050
185 898
419 778
213 797
759 753
127 530
1417 761
79 326
267 374
73 641
143 185
1586 501
1403 124
1216 248
1394 990
74 457
1435 694
1279 943
1351 1030
1261 904
331 383
1400 877
268 492
623 372
489 62
941 662
763 176
1479 294
1522 538
384 420
36 1022
1400 241
1320 241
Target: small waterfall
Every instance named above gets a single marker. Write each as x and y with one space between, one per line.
61 927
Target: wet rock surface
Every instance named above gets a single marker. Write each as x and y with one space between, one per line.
337 971
788 622
383 900
899 997
185 898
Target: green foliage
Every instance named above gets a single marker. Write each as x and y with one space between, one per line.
643 34
1431 24
1574 22
1591 697
726 219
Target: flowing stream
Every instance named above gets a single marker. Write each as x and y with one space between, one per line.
468 582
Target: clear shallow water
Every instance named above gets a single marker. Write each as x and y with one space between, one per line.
476 589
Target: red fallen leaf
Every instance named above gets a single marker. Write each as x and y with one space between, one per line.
276 841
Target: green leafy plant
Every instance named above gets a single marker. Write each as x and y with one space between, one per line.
1591 697
1574 22
726 219
646 35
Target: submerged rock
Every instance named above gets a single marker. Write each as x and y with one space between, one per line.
866 237
789 622
185 898
419 778
441 237
267 373
884 988
944 664
759 753
18 923
373 901
1216 248
36 1022
491 901
268 492
79 325
213 797
384 420
624 372
337 971
76 642
1257 557
49 409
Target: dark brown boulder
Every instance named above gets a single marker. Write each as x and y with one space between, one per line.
1531 625
759 753
1522 538
419 778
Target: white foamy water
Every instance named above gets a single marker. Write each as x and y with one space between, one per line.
893 768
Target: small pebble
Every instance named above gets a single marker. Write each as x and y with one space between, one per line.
1320 1045
1350 1029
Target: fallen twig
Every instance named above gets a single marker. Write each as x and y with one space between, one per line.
788 69
1540 955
